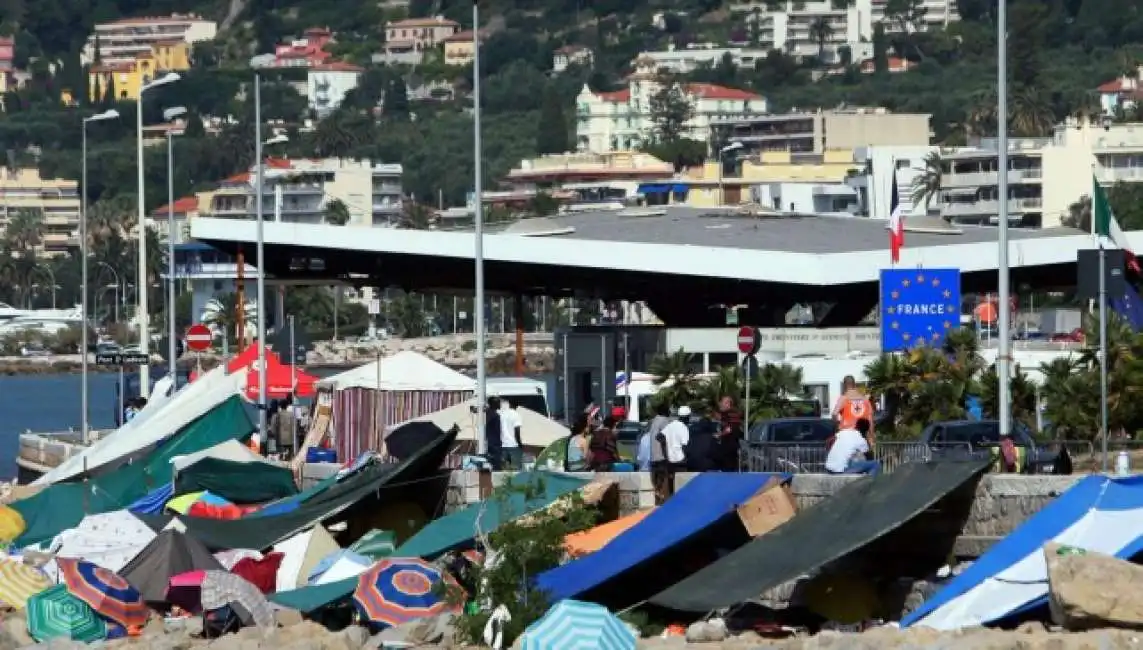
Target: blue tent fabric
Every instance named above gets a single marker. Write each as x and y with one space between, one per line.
154 501
1098 513
703 501
1129 306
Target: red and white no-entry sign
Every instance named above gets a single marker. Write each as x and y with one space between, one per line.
199 338
749 340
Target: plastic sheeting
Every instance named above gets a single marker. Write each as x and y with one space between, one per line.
302 553
109 540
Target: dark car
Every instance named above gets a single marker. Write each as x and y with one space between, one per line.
966 439
788 444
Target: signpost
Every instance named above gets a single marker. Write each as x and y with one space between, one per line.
749 340
199 339
120 359
918 307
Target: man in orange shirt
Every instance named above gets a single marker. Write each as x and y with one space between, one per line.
853 405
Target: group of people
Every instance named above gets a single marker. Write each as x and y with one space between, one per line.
132 408
690 443
851 448
503 435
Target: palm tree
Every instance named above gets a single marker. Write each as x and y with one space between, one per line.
981 116
221 315
1079 215
927 185
336 212
1029 115
25 230
108 216
821 31
415 216
1020 390
333 139
675 378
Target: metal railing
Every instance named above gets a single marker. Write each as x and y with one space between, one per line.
809 458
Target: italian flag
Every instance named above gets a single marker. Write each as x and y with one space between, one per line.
1104 225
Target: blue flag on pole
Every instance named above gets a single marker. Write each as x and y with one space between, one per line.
918 307
1129 306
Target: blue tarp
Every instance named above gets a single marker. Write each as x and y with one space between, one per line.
154 501
661 188
1099 514
702 502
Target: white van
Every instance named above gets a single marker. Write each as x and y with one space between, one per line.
532 394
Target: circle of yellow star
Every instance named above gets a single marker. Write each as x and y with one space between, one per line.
905 283
947 293
920 278
947 325
936 282
891 310
906 336
894 295
895 325
936 336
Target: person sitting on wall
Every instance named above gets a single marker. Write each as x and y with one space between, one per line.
847 455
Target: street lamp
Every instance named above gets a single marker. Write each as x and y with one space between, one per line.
141 284
259 187
85 416
172 356
478 252
733 146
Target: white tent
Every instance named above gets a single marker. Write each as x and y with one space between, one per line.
403 371
535 429
229 450
187 405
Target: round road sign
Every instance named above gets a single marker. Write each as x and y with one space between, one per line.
199 338
749 340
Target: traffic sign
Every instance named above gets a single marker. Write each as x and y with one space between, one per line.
119 359
199 337
750 365
749 340
302 345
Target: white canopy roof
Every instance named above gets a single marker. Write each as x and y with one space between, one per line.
406 370
148 428
535 429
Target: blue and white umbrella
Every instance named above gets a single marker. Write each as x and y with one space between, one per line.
576 625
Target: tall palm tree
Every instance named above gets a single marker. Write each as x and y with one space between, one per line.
675 378
25 230
927 185
221 315
821 31
1029 115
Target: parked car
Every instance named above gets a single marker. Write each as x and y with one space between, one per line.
968 439
788 444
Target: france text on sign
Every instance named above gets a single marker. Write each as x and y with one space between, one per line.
918 307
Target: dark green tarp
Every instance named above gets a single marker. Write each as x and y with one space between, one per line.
63 505
368 487
447 533
457 530
854 517
236 482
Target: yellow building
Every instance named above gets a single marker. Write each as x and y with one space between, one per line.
127 78
460 48
56 200
831 166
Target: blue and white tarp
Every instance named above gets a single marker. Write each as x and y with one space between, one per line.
1099 514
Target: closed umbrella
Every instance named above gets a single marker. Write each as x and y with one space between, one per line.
19 582
572 624
399 590
220 589
55 613
105 592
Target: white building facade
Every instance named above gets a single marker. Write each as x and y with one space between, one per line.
328 83
122 41
621 120
880 165
693 57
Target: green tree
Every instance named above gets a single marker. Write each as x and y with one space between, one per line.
553 134
821 31
336 212
671 110
397 99
880 50
927 184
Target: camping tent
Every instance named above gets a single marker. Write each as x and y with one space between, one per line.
536 430
370 398
302 552
233 472
168 555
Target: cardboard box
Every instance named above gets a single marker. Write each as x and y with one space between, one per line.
770 507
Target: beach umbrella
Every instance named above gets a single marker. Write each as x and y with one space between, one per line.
105 592
398 590
11 524
576 625
19 582
220 589
55 613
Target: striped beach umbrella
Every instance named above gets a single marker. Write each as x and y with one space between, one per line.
399 590
220 588
19 582
576 625
55 613
104 591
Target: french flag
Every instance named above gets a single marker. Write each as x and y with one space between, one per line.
896 221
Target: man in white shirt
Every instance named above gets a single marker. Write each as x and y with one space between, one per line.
678 436
847 455
510 442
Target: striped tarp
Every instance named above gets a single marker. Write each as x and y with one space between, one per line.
362 415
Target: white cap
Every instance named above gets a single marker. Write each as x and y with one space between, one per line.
684 411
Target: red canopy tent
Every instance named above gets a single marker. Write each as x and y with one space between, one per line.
248 358
281 381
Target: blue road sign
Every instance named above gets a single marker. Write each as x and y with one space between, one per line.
918 307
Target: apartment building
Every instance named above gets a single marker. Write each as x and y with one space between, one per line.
56 200
371 192
810 27
460 48
695 56
879 166
125 79
819 131
406 41
123 41
569 55
327 85
621 120
1045 175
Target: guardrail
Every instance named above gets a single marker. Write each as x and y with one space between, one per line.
800 458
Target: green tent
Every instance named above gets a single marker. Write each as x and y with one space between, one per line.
376 544
63 505
448 533
237 482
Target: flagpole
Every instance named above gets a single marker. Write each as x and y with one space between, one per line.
1103 353
1003 312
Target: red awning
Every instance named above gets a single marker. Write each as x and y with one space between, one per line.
281 381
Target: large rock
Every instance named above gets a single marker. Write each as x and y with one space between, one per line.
1091 590
14 632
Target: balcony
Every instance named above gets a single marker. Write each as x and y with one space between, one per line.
1117 174
989 178
979 208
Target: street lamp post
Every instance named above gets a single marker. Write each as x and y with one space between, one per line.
85 415
142 284
259 186
1005 342
172 350
733 146
478 218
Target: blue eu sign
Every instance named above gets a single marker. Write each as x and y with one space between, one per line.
918 307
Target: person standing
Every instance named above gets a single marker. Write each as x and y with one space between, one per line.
852 406
724 456
510 441
660 471
493 434
677 436
578 454
604 446
287 427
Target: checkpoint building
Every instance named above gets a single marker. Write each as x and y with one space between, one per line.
687 264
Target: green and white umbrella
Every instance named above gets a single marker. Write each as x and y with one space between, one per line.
54 613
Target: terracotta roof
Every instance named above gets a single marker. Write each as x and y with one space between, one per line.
246 177
460 37
337 66
181 206
712 91
1120 85
423 22
617 96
